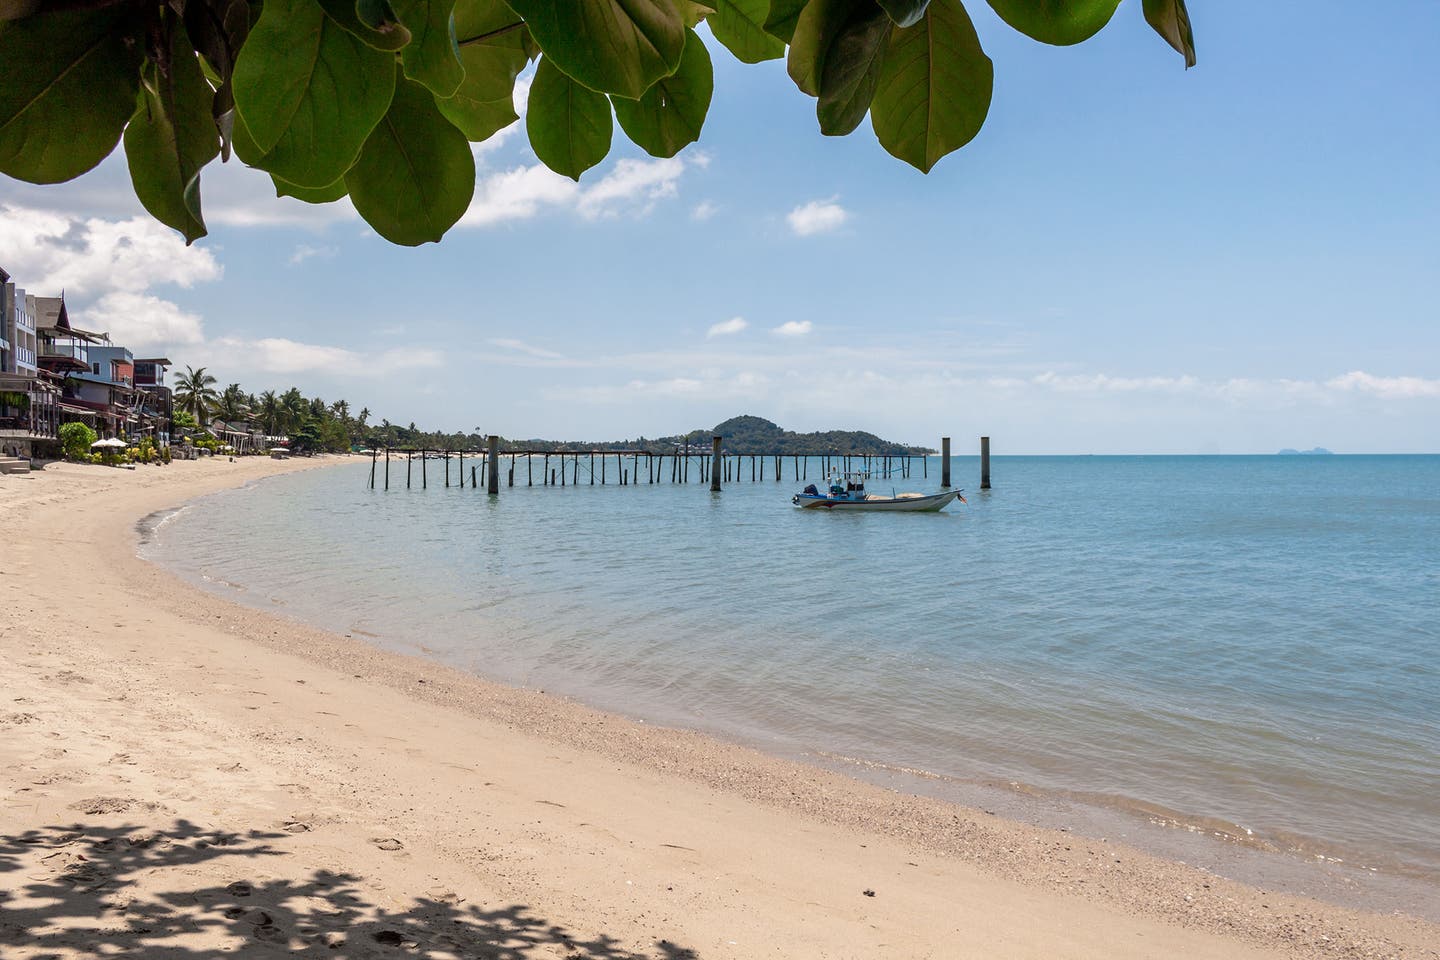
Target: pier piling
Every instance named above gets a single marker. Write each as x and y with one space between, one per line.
984 463
492 479
944 461
715 466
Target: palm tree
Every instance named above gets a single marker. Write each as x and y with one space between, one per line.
195 394
232 406
271 413
296 409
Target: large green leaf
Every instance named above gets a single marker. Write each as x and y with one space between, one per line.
569 125
1172 21
432 56
905 12
820 28
67 86
1061 22
611 46
380 27
740 26
171 137
493 53
671 113
784 14
851 73
934 87
309 92
326 194
415 175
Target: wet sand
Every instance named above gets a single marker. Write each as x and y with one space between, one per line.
183 776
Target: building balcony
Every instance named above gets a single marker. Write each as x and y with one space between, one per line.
65 350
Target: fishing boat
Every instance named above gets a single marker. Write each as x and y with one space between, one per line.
846 491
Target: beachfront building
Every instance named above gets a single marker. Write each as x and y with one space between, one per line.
64 355
155 403
29 411
107 387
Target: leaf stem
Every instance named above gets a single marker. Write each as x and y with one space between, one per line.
492 34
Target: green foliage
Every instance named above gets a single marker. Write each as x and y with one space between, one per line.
569 125
377 98
416 174
669 115
75 440
195 395
67 86
1060 22
934 89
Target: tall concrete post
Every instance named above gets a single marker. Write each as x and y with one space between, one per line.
715 465
984 463
944 461
492 476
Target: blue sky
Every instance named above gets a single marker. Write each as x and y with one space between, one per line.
1129 258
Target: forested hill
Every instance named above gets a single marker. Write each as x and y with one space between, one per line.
743 434
747 434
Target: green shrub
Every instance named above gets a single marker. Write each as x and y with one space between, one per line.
75 439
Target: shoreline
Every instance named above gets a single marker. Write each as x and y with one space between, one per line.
796 846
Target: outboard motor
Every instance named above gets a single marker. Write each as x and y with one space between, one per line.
811 491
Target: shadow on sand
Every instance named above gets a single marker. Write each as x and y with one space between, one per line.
92 890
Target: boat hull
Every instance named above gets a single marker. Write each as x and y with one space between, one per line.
929 504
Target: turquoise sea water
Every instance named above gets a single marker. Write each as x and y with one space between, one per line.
1253 641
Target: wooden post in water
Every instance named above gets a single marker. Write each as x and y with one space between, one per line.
492 477
447 469
374 455
387 468
424 485
472 476
984 463
944 461
602 469
715 465
409 458
529 472
575 472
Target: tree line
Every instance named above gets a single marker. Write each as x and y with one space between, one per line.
311 424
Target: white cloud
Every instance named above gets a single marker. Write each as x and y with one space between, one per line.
286 356
632 187
703 211
817 216
89 257
517 194
727 327
632 184
306 251
793 328
141 321
1390 388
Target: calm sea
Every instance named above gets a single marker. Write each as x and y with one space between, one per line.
1251 644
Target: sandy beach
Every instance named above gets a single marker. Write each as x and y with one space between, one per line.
183 777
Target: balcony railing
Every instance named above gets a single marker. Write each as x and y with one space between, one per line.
66 350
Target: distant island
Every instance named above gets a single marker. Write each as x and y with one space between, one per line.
743 434
1313 451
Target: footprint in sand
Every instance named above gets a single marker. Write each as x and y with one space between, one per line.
387 843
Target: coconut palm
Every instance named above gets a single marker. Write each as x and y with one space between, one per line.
195 394
270 412
232 406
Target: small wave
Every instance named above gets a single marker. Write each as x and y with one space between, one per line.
150 525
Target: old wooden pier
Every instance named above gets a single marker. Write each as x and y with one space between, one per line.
715 466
